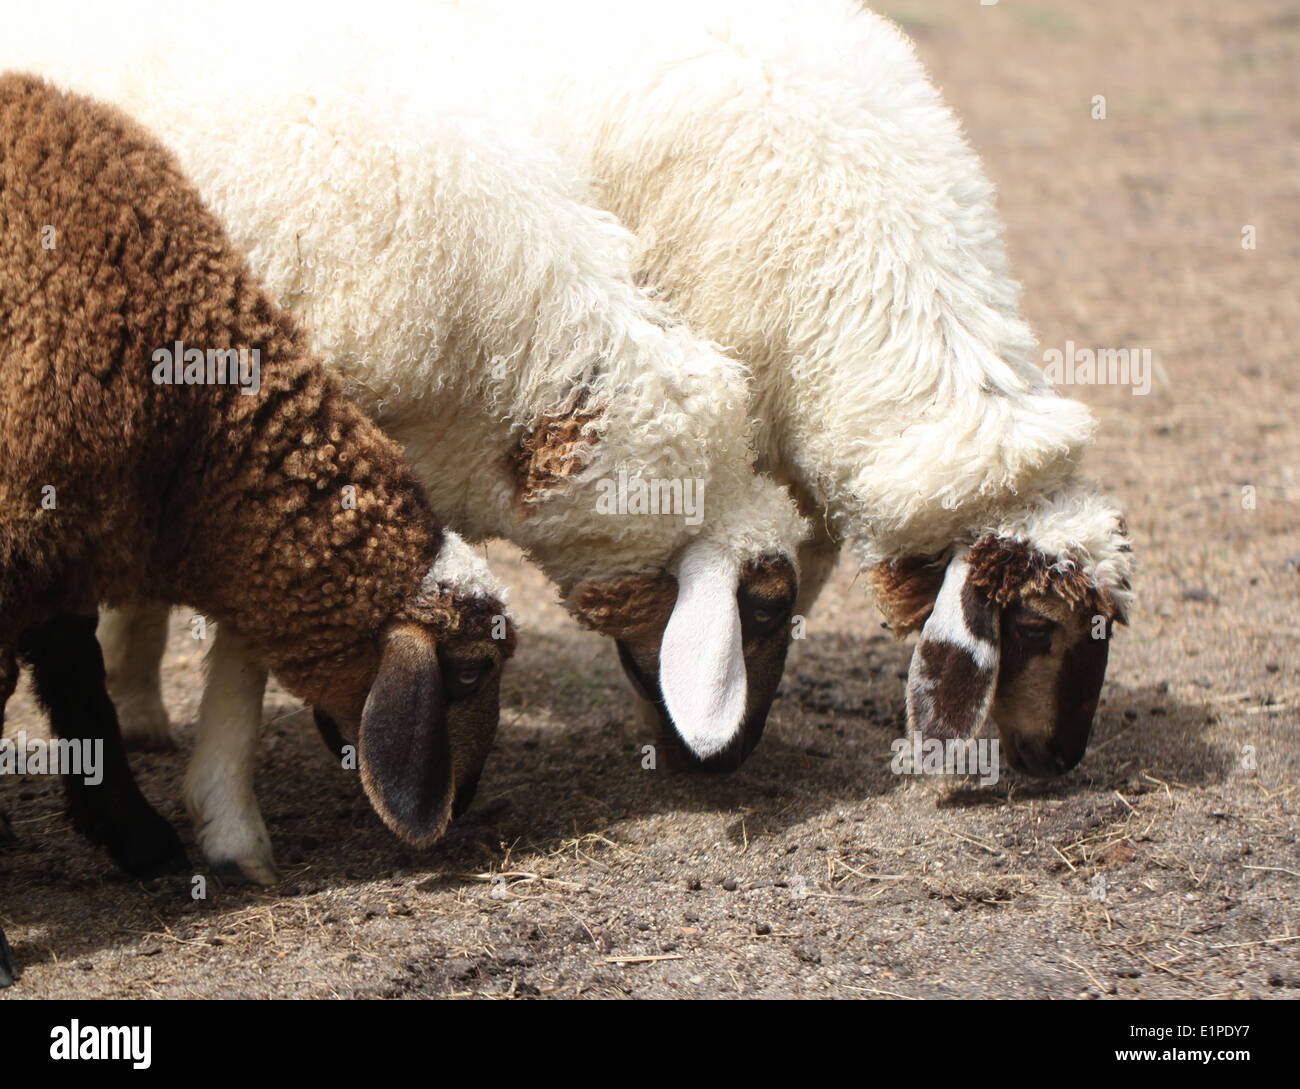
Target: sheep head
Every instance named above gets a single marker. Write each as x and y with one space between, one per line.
704 648
1010 631
430 713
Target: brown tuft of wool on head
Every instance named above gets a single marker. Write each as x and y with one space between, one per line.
627 607
905 589
559 446
1010 570
448 614
1004 570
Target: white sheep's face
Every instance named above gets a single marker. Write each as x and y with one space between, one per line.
704 650
1036 665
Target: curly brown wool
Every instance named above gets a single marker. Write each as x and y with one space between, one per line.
627 608
286 514
472 620
559 446
1008 570
1005 570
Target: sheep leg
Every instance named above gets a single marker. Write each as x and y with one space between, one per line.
8 679
68 676
219 784
133 639
817 557
8 970
330 734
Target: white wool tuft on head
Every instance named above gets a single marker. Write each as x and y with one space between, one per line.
460 569
1077 526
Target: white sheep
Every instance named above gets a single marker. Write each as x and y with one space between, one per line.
490 323
804 197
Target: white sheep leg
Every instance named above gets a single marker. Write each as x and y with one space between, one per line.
219 784
132 639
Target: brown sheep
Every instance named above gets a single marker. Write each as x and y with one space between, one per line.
286 514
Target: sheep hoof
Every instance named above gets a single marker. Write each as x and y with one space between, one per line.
249 871
146 847
139 840
235 842
145 726
8 969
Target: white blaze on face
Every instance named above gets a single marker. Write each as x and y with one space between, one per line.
954 668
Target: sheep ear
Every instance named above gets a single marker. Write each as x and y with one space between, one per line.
701 660
405 753
954 668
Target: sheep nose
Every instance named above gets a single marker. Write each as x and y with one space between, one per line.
1062 762
681 758
728 760
1043 761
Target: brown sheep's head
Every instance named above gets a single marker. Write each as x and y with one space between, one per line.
427 721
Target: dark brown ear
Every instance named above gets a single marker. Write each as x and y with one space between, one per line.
405 752
954 668
905 590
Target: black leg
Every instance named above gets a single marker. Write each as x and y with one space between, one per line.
8 678
329 732
8 973
68 671
8 970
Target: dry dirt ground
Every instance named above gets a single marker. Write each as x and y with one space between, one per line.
1167 864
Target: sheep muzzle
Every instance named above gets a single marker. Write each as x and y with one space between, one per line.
1053 664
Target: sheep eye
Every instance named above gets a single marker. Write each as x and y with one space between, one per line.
764 616
468 677
1034 629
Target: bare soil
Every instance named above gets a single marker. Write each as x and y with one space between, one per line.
1166 865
